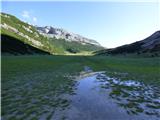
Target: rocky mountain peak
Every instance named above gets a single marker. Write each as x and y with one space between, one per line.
59 33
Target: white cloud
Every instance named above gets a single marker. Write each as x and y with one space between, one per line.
34 19
29 17
25 14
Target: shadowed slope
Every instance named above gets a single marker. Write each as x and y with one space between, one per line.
11 45
150 45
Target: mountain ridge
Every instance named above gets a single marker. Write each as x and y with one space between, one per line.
60 33
28 34
149 45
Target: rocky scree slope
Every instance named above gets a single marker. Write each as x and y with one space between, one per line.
58 33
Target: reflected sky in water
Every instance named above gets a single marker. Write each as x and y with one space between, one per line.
99 97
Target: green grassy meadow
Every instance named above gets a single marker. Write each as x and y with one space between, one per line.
33 86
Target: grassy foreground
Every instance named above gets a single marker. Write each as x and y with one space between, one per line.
34 86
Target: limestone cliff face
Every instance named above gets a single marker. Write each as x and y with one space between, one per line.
63 34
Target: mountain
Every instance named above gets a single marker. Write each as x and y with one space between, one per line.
11 45
149 46
19 37
58 33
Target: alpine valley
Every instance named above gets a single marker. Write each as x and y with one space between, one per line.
18 37
49 73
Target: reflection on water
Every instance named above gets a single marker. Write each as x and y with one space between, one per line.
133 96
99 97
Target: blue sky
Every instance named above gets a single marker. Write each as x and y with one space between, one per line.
110 23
